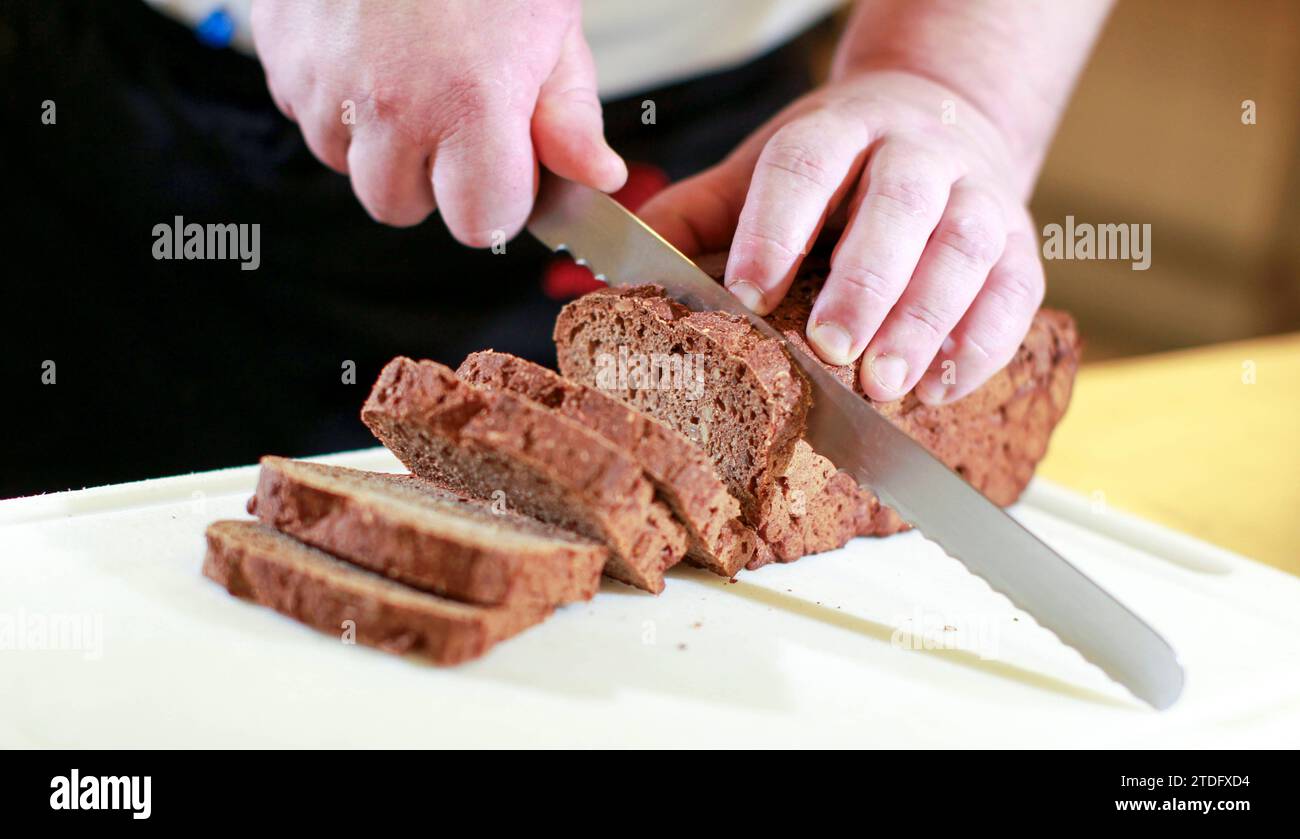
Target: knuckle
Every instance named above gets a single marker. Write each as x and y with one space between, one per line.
757 237
923 318
981 344
285 88
991 344
283 104
460 108
973 236
1017 284
388 102
1022 284
467 96
833 128
865 282
296 77
793 154
578 96
903 194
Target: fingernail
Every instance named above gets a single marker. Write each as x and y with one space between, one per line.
832 342
748 293
889 371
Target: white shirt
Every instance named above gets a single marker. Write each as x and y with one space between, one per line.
643 44
638 44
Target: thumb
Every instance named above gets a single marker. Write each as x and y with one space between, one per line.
568 128
698 215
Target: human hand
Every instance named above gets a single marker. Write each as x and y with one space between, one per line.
454 103
938 261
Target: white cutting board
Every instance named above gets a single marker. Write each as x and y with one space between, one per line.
811 653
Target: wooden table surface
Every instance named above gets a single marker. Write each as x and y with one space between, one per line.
1206 441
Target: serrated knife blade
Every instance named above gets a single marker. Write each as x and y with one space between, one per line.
620 249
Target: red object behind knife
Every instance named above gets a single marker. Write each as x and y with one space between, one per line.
564 279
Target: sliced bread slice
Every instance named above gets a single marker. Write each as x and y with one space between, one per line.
488 443
754 402
749 419
681 471
425 536
257 563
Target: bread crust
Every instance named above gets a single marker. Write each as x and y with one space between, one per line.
683 474
424 536
254 562
482 442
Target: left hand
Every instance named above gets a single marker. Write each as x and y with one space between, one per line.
939 258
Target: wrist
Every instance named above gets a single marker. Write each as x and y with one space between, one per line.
1013 62
954 102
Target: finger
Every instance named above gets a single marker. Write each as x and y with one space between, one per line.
280 102
389 177
568 127
904 193
262 20
966 244
484 172
698 215
801 174
992 329
327 136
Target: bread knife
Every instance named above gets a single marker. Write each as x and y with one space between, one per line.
844 427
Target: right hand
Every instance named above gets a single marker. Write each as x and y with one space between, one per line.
455 103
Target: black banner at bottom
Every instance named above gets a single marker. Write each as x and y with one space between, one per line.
336 790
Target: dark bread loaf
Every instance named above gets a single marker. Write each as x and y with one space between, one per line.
800 503
814 507
265 566
420 534
748 418
487 443
995 436
682 473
